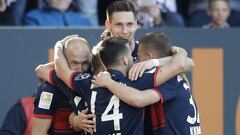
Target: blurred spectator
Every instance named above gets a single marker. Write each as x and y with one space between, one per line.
170 12
148 14
15 11
19 118
234 18
88 9
198 13
56 13
3 5
101 10
156 13
219 11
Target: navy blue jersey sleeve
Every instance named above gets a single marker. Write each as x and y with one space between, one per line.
15 121
147 80
81 83
166 91
71 95
44 104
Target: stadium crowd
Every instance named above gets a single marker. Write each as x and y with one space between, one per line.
150 13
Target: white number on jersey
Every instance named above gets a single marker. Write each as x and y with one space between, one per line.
112 105
195 118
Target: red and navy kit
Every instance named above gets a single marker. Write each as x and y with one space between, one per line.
112 115
50 103
180 111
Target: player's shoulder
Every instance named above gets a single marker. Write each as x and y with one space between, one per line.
46 87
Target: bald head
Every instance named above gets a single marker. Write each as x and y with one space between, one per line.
77 54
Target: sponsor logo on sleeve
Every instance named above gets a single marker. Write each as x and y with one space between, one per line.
45 100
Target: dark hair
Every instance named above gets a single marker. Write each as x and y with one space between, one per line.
157 41
111 49
97 64
210 2
120 6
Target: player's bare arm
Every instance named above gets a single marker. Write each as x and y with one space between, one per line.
138 69
40 126
127 94
42 71
138 98
175 67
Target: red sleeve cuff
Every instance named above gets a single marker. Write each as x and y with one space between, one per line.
155 76
43 116
159 94
71 80
50 76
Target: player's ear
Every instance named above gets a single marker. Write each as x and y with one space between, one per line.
149 55
107 25
125 60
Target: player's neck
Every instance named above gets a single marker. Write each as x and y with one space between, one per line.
132 45
123 70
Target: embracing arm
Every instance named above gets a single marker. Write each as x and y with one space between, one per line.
42 71
61 66
139 68
175 67
127 94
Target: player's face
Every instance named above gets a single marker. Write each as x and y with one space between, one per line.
219 12
122 24
79 59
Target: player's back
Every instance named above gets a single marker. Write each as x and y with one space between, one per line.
112 115
180 110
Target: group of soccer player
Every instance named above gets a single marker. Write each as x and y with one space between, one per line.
121 87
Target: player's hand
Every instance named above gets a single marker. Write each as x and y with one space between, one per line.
138 69
103 79
61 43
64 40
84 121
176 49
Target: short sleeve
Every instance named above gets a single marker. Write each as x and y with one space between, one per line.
167 91
44 103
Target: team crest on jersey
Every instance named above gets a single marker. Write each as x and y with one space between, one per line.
45 100
82 76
